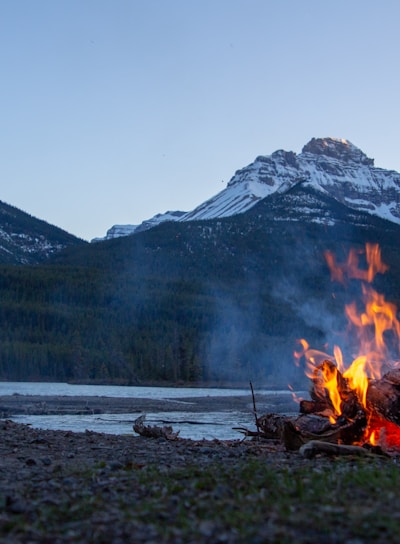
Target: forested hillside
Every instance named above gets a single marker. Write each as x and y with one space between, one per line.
24 239
218 301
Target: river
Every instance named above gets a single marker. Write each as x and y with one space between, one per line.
206 425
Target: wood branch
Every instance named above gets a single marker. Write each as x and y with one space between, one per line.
315 447
153 431
254 407
248 432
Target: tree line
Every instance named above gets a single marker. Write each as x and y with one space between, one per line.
216 302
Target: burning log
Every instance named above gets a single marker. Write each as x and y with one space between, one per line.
383 397
381 411
323 402
319 420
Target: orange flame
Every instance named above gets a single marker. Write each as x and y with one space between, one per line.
374 437
350 269
369 326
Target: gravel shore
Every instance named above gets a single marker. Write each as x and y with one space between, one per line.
49 478
60 487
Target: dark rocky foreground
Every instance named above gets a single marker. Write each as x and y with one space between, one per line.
59 487
30 455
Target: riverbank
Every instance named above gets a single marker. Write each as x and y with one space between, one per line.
58 405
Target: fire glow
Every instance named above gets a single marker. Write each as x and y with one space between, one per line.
370 323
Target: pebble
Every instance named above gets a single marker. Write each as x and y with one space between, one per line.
30 462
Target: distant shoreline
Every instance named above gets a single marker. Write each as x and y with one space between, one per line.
179 385
17 404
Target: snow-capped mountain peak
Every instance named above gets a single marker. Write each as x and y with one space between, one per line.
333 166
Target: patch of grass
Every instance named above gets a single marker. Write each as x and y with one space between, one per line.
249 500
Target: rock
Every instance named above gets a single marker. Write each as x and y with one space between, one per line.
30 462
46 461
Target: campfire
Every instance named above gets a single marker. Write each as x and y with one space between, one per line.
354 403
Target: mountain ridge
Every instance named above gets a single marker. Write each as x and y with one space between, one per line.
331 165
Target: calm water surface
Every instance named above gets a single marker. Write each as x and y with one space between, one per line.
119 391
196 426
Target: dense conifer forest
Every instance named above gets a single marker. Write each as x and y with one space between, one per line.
214 301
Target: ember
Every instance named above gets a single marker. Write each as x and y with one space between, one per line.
361 398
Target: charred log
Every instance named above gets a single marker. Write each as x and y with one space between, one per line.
270 426
303 429
321 403
383 397
296 431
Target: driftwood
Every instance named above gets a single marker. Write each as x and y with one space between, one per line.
315 447
153 431
270 426
254 407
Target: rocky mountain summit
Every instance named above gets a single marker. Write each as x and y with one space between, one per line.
331 166
335 148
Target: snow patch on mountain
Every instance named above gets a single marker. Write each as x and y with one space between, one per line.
117 231
236 198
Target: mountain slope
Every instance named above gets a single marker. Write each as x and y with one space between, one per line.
27 240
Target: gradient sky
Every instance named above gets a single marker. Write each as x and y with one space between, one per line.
115 110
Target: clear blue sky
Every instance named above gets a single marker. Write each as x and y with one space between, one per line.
115 110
